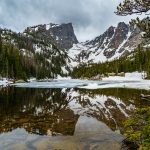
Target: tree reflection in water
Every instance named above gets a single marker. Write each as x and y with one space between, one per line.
56 111
39 111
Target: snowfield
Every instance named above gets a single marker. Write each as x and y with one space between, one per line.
134 76
111 82
131 80
145 84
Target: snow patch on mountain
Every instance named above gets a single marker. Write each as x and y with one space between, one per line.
114 43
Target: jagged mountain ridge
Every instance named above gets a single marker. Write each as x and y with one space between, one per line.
59 50
63 35
114 43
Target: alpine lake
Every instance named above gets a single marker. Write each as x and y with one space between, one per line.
65 118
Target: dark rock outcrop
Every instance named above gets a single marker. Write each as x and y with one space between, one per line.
63 35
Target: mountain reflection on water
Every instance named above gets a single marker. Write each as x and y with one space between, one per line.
56 111
36 110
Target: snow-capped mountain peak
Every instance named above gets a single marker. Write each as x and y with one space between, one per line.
112 44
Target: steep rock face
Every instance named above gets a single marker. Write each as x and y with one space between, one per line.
100 41
115 42
63 35
119 36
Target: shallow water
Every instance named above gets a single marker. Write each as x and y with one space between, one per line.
65 118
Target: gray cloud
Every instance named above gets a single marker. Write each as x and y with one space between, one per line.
89 17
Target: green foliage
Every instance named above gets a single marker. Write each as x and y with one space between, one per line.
17 66
10 62
128 7
143 25
137 129
130 122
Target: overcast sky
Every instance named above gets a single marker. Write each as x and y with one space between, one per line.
90 18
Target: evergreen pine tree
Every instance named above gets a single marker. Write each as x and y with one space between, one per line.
129 7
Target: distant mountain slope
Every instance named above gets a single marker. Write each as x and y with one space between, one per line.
112 44
41 49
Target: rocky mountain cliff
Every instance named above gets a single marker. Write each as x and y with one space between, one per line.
63 35
115 42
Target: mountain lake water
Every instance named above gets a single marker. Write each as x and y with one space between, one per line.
65 118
